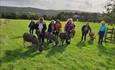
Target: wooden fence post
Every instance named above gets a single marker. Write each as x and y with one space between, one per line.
110 35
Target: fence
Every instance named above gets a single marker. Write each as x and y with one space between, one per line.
110 35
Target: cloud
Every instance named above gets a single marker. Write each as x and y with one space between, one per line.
82 5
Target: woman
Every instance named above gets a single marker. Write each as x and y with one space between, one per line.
51 27
69 26
102 32
57 27
69 30
41 28
85 30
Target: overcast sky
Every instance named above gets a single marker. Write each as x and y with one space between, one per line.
82 5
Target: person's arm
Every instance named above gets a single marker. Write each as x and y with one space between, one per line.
54 27
82 29
65 27
49 27
29 24
106 30
34 25
44 27
73 26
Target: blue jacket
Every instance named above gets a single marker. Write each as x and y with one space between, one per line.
103 28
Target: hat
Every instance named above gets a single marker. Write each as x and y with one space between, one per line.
52 21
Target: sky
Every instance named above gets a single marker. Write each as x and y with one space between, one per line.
81 5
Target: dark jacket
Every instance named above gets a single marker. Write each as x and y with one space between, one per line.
88 29
50 27
32 25
44 26
68 27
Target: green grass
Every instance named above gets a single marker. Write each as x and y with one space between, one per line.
76 56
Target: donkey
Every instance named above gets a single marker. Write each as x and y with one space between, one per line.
27 37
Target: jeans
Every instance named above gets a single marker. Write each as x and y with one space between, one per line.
101 36
41 37
84 34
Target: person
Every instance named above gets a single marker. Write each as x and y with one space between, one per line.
57 27
41 28
85 30
31 26
68 29
102 32
51 27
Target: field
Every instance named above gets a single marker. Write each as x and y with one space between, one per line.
76 56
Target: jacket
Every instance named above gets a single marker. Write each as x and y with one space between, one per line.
88 29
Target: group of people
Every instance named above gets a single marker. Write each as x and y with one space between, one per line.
55 27
87 29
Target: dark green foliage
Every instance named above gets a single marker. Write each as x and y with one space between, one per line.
109 16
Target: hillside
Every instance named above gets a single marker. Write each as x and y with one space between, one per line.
6 9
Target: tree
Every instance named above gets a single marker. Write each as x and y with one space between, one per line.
109 16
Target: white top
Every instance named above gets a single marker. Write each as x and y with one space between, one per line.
40 27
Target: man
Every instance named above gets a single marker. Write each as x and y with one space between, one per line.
102 32
41 28
85 30
31 26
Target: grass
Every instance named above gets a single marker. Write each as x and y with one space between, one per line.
76 56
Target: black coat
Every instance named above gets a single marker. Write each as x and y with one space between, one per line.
32 25
86 31
44 27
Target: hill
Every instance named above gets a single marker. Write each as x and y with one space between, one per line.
6 9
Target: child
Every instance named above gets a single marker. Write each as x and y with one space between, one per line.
102 32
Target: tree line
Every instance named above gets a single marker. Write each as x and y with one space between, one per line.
63 16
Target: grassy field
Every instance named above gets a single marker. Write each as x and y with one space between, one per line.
76 56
